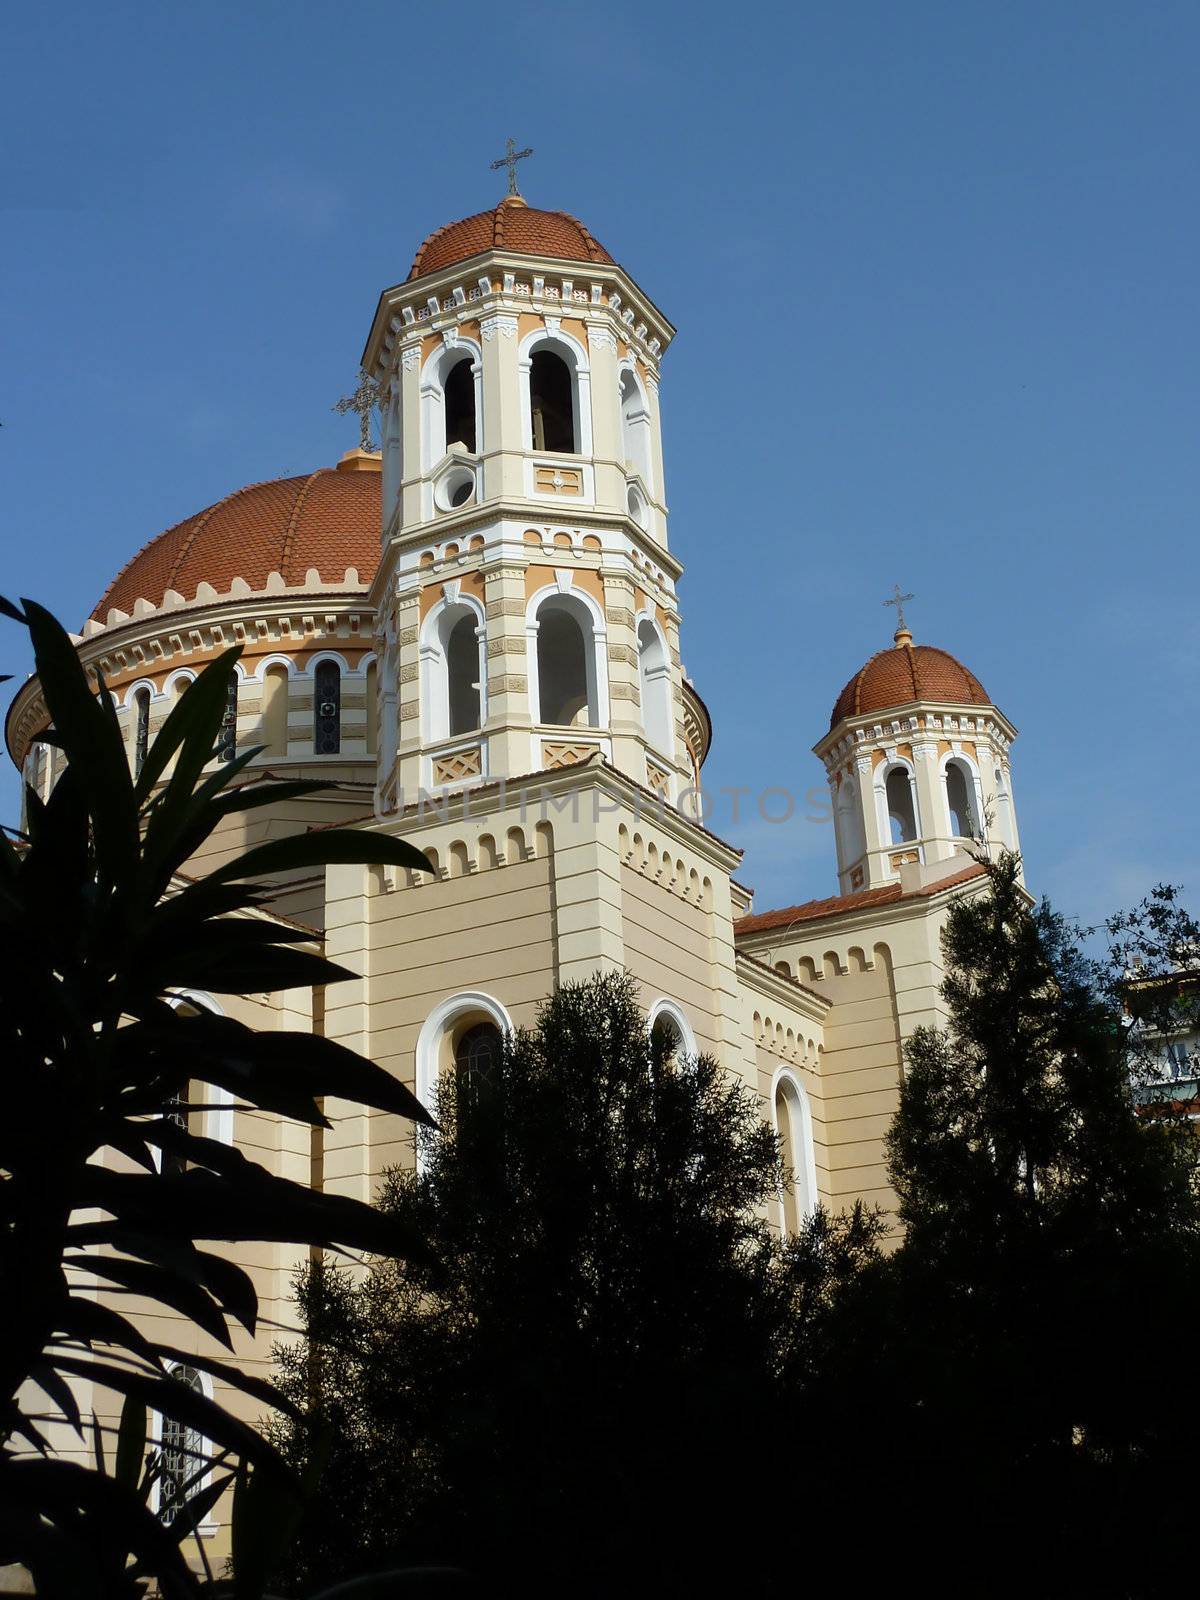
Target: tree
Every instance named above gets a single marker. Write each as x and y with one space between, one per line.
1012 1371
573 1392
98 1178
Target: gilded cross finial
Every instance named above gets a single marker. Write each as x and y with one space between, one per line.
363 401
510 158
898 600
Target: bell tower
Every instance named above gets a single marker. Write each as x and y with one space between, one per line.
526 595
918 762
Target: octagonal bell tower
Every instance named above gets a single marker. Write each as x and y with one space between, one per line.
526 597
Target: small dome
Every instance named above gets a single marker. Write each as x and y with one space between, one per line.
514 226
908 672
330 519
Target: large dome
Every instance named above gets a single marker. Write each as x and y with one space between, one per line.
511 225
328 520
908 672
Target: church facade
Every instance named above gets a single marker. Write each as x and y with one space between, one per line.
473 633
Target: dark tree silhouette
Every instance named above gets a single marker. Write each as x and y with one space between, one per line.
588 1391
1016 1376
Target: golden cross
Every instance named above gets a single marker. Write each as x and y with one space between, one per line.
509 160
898 600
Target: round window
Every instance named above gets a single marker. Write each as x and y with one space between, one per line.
455 488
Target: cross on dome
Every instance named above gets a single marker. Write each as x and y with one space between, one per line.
510 158
897 600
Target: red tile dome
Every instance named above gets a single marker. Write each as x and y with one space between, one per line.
511 225
908 672
328 520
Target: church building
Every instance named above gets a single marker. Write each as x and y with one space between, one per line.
473 633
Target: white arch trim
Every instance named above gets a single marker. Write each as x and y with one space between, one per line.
438 1023
803 1162
597 661
674 1013
315 660
126 701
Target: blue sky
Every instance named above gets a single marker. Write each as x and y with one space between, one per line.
933 267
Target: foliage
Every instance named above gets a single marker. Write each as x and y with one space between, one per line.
567 1393
98 929
1012 1371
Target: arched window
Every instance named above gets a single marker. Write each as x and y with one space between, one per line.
902 818
141 732
635 426
177 1110
181 1455
462 674
477 1058
552 403
327 708
459 399
566 670
275 709
227 736
671 1036
798 1197
958 801
654 683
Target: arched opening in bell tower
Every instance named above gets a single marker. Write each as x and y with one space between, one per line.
552 403
459 400
462 673
654 682
566 669
958 801
902 818
635 426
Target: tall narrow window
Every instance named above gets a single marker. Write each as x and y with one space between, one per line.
372 707
141 734
552 403
958 801
459 397
562 655
477 1059
227 737
176 1111
462 675
327 708
181 1455
666 1041
901 815
792 1127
